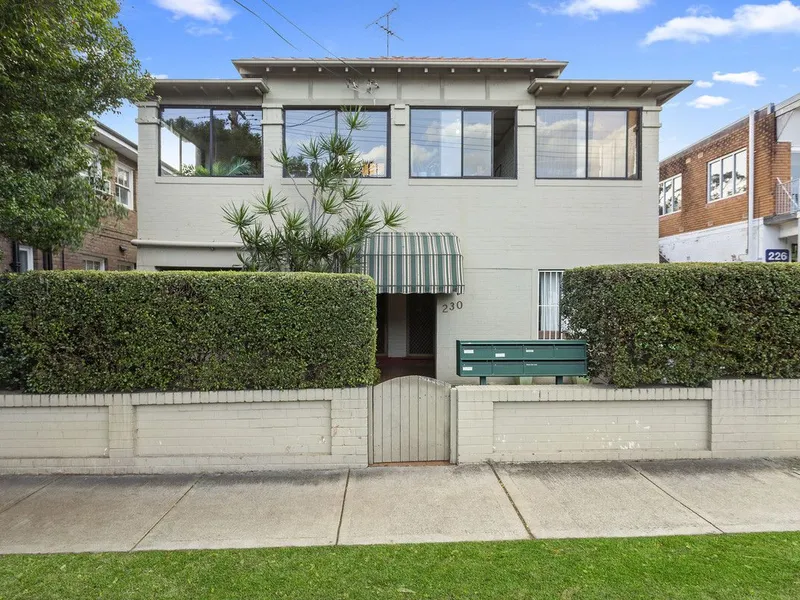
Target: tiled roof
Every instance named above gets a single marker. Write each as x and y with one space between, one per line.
410 58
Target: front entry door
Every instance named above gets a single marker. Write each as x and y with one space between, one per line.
410 420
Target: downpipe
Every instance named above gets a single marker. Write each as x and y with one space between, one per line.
751 169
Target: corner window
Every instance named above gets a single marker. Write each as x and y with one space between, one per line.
551 325
301 126
670 192
123 186
94 264
463 143
727 176
588 143
211 142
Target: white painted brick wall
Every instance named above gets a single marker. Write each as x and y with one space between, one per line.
287 428
547 427
183 432
53 432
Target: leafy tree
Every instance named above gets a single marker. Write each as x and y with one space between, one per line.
328 233
61 61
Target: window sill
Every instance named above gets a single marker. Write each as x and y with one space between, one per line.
588 182
306 182
459 181
710 201
210 180
676 212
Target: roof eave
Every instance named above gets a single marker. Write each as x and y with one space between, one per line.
660 90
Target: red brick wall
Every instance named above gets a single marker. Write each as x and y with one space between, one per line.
772 161
114 234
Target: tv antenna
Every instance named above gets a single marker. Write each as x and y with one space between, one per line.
385 26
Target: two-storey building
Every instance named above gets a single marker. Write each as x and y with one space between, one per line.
733 195
507 174
109 247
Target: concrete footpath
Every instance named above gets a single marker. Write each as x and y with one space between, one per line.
397 505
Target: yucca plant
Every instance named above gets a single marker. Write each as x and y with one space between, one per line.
325 234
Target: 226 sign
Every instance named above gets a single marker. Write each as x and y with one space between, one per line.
777 255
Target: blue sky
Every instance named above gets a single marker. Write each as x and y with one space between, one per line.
746 53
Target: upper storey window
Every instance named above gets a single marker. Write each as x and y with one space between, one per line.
463 143
211 142
727 176
301 126
580 143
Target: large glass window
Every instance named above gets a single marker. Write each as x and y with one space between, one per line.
727 176
463 143
211 142
587 143
372 142
669 195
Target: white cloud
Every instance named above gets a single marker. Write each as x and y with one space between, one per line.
709 102
748 78
161 76
782 17
203 10
202 30
796 70
591 9
704 84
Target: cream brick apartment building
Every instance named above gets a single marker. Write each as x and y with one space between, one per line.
508 174
733 196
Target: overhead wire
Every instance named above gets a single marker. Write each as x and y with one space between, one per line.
300 29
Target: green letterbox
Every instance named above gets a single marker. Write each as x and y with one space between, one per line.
532 358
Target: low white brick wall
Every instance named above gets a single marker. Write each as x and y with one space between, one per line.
183 432
733 418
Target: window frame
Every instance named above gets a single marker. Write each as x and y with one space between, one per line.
94 259
719 160
560 277
124 167
210 108
464 109
586 177
30 261
673 179
336 110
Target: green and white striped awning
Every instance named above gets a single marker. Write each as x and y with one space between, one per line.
414 263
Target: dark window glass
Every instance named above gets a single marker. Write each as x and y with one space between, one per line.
421 323
211 142
302 126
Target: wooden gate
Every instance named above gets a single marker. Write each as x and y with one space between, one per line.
409 420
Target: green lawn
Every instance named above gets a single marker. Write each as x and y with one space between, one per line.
724 567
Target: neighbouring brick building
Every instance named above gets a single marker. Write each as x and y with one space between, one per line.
110 247
727 199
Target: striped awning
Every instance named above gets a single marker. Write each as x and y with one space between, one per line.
414 263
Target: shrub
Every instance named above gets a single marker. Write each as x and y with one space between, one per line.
77 332
686 324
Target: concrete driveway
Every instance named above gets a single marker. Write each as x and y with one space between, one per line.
397 505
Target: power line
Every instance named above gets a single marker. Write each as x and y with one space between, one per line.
296 26
280 35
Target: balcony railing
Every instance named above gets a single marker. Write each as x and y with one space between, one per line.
787 197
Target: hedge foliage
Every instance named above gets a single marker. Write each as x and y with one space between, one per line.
686 324
77 332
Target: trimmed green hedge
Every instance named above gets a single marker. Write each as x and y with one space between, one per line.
686 324
76 332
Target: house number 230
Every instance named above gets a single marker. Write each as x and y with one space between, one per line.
452 306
